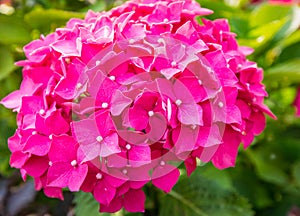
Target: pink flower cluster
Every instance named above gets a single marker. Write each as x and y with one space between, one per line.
121 98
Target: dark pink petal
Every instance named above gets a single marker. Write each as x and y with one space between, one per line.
38 145
134 201
139 155
114 206
77 177
63 149
54 192
59 174
104 192
36 166
18 159
165 177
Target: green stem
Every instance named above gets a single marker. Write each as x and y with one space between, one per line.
177 196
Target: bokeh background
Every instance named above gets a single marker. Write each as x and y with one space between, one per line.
266 179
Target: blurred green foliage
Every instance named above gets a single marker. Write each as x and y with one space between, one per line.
266 179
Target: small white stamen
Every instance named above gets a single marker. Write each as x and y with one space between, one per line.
68 60
50 163
178 102
160 40
42 112
244 133
131 41
124 171
34 133
99 176
254 99
220 104
200 82
228 65
74 163
173 64
221 32
166 20
99 138
239 66
105 189
150 113
50 136
104 105
193 127
112 78
128 146
162 163
97 63
78 86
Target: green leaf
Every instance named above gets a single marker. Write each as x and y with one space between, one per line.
286 72
269 166
13 30
267 13
85 204
46 20
198 196
6 62
296 172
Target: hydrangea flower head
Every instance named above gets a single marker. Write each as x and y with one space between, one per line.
114 101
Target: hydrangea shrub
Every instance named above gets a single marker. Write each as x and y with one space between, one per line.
122 98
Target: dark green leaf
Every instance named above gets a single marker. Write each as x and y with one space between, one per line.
6 62
85 204
13 30
198 196
46 20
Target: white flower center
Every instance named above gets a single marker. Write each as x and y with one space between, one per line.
42 112
178 102
128 146
74 163
99 176
124 171
112 78
150 113
220 104
104 105
162 163
51 136
99 138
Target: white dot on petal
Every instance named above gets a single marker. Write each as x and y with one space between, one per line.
99 138
128 146
74 163
104 105
200 82
166 20
220 104
244 133
50 136
68 60
221 32
178 102
112 78
78 86
99 176
97 63
131 41
42 111
239 66
150 113
173 64
193 127
160 40
162 163
124 171
105 189
34 133
50 163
